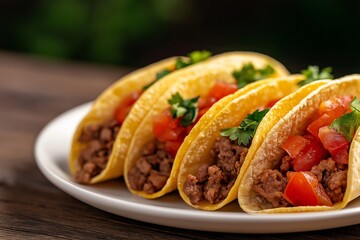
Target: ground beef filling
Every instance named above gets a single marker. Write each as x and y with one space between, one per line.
214 182
152 169
333 178
270 184
99 140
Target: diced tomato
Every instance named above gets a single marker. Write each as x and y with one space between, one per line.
160 123
121 114
325 120
173 123
342 155
125 106
271 103
172 147
331 104
206 102
294 145
310 156
309 136
166 128
332 140
202 113
304 189
222 89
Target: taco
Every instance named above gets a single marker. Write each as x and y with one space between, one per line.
309 160
153 155
92 158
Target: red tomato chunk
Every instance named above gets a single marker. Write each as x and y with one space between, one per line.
304 189
125 106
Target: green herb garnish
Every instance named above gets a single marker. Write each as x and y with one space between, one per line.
194 57
312 74
248 74
348 123
159 75
246 131
186 109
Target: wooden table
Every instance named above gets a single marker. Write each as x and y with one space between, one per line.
32 92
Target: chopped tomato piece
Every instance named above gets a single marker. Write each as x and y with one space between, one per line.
121 113
332 140
160 122
206 102
304 189
125 106
201 113
342 155
331 104
309 136
173 123
310 156
271 103
166 128
294 145
172 147
222 89
325 120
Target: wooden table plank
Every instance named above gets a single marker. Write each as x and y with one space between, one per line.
32 92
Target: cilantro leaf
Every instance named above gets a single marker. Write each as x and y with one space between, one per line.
199 56
245 132
355 105
162 74
159 75
248 74
194 57
348 123
312 74
186 109
180 63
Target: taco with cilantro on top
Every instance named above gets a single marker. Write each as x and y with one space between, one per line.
218 155
161 139
92 158
309 160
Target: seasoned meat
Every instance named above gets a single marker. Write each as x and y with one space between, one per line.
270 184
143 165
214 182
333 177
152 169
285 164
98 140
212 186
193 190
136 179
202 174
227 154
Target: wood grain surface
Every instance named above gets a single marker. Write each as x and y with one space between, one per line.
32 92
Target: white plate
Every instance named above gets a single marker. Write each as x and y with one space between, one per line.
51 151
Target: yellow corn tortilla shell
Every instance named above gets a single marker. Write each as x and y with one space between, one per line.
103 109
269 154
230 115
193 81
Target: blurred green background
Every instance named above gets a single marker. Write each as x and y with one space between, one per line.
136 33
